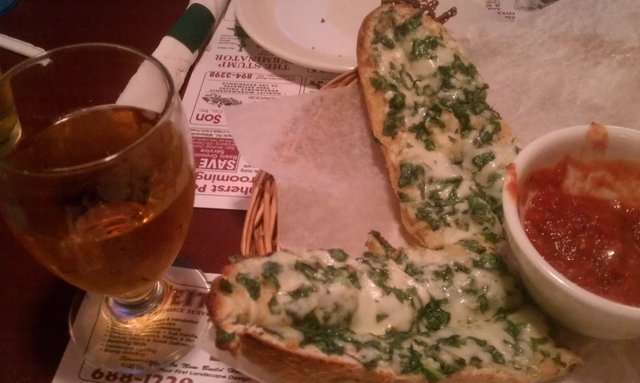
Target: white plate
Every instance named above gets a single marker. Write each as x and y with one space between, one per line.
318 34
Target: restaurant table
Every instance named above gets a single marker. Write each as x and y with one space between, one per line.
34 302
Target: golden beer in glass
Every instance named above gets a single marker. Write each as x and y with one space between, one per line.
99 187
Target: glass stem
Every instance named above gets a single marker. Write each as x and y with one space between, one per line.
125 309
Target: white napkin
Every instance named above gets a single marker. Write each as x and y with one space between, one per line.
571 63
177 51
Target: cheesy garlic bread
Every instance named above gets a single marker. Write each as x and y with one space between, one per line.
446 149
407 315
446 311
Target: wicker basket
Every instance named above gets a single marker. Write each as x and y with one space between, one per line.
260 234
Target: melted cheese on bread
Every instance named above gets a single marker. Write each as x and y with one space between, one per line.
446 149
414 311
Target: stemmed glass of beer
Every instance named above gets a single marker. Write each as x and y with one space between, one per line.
97 183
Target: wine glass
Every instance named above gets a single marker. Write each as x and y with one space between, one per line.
97 182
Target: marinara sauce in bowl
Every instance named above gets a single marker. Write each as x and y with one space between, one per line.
571 202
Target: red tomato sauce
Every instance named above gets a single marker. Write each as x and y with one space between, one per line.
593 241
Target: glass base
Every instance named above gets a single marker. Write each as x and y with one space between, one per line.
149 340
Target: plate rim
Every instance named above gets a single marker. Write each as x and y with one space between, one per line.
310 59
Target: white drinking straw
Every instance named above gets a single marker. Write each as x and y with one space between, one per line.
19 46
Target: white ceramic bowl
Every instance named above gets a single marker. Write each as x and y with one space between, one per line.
565 301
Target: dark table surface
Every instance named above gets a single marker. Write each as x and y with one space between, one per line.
34 303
